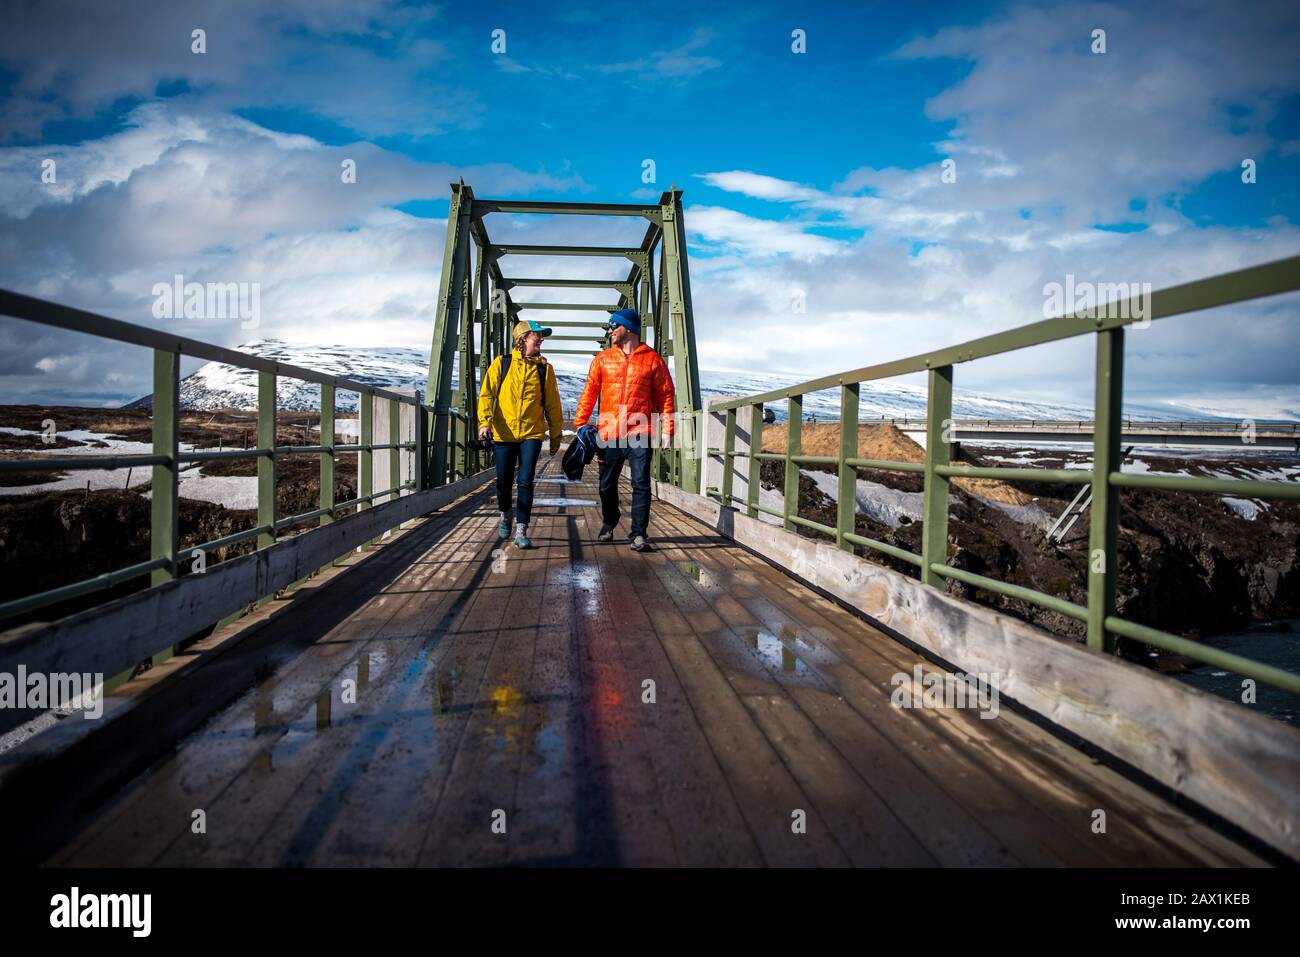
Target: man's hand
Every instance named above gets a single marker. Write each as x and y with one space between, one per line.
484 432
666 440
555 446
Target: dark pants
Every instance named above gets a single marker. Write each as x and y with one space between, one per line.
639 460
509 456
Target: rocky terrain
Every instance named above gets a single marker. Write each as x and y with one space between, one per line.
59 536
1195 565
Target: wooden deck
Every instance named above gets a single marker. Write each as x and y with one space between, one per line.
488 679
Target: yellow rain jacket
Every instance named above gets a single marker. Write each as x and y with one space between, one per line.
526 403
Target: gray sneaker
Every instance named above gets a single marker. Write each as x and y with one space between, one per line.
606 533
639 544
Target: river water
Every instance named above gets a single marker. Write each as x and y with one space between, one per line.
1276 643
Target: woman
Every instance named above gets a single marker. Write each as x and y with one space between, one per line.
516 412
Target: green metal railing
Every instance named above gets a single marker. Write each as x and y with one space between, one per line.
167 457
1106 477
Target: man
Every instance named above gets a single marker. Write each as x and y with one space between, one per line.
633 386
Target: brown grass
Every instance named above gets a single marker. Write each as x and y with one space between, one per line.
887 443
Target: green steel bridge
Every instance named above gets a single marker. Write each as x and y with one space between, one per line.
381 681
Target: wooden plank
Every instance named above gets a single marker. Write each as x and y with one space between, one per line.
481 780
1240 765
111 638
460 813
348 785
1052 778
1022 822
762 786
939 821
289 681
404 767
624 788
839 779
557 818
708 827
274 808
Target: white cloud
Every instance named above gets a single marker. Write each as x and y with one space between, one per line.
750 236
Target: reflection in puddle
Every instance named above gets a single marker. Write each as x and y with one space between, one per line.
323 710
580 502
698 573
444 691
506 730
777 651
335 704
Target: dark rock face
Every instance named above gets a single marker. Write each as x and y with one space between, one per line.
1187 564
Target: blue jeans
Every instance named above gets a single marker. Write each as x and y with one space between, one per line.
638 458
523 456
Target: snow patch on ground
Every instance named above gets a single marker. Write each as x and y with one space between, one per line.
889 506
1029 514
232 491
878 502
98 478
1247 508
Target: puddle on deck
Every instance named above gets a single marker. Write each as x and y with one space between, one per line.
779 650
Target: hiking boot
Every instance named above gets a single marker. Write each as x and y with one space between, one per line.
606 533
639 544
522 541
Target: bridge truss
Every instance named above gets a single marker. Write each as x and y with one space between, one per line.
477 307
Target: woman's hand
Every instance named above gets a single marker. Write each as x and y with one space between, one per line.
555 446
484 432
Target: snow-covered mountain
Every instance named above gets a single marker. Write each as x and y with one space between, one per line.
219 386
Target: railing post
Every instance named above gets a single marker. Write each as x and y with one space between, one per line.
846 511
421 446
439 426
938 422
728 453
394 437
755 463
458 449
793 431
164 524
327 457
266 441
1103 519
164 529
366 457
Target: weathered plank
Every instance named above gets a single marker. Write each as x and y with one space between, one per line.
289 678
1242 766
114 637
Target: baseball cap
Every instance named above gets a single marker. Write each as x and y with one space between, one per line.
628 318
525 326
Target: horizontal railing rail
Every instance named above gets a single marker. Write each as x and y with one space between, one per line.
1107 323
167 457
1137 425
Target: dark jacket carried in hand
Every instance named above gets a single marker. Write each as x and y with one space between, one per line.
581 450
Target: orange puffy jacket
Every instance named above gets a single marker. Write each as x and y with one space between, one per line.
631 389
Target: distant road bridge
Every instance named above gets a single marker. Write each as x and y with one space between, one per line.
382 681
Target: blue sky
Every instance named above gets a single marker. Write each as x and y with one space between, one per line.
814 175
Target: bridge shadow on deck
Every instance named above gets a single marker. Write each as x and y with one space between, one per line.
466 703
